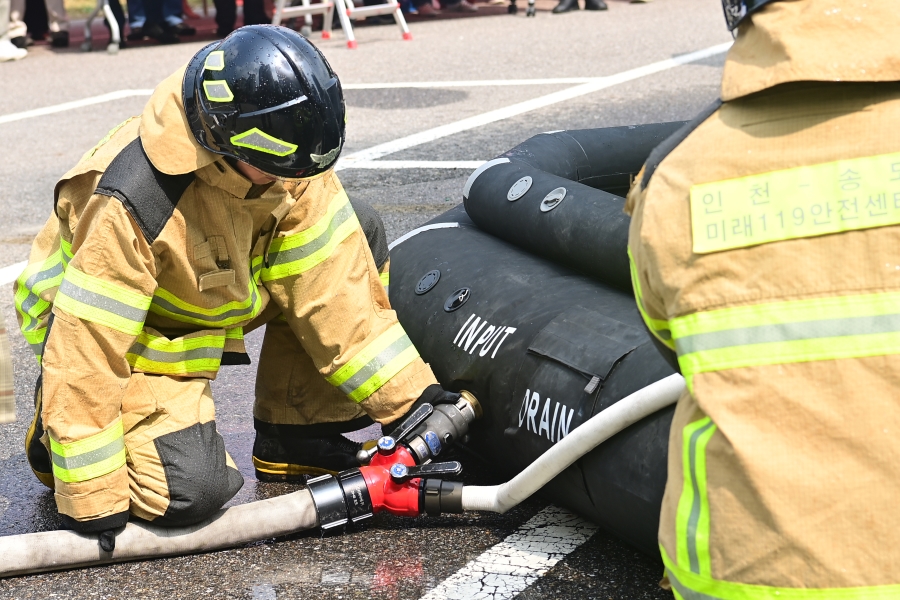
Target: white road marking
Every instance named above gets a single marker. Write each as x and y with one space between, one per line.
429 135
57 108
587 85
418 164
468 84
12 272
505 570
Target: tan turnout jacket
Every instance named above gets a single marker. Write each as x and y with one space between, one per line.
177 305
766 253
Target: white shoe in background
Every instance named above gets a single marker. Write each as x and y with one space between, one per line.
8 51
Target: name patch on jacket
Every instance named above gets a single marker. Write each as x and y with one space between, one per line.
809 201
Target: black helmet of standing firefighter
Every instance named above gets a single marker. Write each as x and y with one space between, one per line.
266 96
738 10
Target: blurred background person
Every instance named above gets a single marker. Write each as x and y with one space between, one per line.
55 21
161 20
8 51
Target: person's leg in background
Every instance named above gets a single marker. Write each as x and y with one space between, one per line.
255 13
58 22
155 25
226 14
8 51
136 19
173 18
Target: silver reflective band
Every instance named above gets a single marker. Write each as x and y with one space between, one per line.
377 363
218 91
787 332
287 256
215 61
175 357
89 458
67 288
694 517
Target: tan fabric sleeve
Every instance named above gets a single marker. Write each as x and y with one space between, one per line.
650 304
99 310
320 272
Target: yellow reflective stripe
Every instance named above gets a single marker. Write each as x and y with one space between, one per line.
91 457
36 279
844 195
385 278
692 517
658 327
375 365
235 333
215 61
106 138
167 304
784 332
181 356
218 91
259 140
693 586
99 301
256 265
300 252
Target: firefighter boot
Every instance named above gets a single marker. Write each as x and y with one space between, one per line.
595 5
295 452
566 6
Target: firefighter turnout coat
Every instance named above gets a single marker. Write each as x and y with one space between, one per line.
158 259
765 249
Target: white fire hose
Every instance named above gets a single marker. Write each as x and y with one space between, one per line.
586 437
55 550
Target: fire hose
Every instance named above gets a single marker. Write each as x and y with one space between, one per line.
397 477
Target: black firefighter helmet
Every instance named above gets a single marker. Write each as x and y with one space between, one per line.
266 96
738 10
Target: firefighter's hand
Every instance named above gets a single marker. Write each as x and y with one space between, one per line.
433 395
104 527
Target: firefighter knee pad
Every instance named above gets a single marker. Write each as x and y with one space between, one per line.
198 476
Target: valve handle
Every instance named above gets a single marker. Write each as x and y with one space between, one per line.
412 421
401 473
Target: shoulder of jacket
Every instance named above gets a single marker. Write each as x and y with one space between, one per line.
149 195
668 145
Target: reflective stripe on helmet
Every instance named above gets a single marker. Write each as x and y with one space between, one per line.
218 91
215 61
256 139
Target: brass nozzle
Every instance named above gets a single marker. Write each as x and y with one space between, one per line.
473 402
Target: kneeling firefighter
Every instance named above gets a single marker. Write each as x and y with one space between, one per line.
214 212
764 245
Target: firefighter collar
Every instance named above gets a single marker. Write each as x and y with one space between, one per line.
814 40
165 134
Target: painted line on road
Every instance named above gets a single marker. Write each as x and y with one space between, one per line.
58 108
418 164
12 272
506 569
468 84
587 85
429 135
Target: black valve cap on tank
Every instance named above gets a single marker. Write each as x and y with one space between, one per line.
437 496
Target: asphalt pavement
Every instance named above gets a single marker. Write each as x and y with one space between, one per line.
386 557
